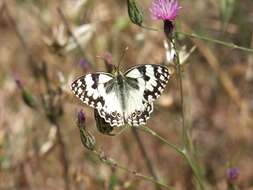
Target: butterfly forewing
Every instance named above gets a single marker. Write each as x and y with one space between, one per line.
151 81
91 89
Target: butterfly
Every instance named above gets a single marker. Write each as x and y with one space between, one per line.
123 98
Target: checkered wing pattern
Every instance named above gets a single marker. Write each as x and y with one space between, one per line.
151 81
125 98
91 89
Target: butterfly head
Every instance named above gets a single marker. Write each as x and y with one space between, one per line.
117 71
118 67
114 69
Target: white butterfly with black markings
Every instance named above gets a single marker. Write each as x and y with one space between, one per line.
123 98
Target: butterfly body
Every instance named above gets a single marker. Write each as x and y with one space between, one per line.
124 97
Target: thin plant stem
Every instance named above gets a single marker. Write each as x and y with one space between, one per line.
63 156
113 163
150 28
89 142
15 28
161 139
180 85
53 117
227 44
145 155
181 151
186 139
209 39
32 62
70 32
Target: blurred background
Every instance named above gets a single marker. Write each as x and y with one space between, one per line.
44 45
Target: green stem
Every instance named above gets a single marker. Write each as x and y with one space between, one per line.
183 152
113 163
227 44
153 133
209 39
180 85
150 28
185 137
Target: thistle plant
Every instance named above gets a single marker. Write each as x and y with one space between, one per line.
84 86
167 11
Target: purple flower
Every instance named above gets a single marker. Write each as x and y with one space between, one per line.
166 10
107 57
84 64
232 174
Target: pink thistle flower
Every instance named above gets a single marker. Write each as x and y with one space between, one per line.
166 10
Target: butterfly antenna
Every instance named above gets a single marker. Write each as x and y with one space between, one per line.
121 58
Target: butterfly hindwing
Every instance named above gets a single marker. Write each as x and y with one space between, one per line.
140 115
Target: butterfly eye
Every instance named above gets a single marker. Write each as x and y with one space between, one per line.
118 115
114 114
138 112
133 115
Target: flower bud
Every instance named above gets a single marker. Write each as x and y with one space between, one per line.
168 29
134 12
88 140
29 99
